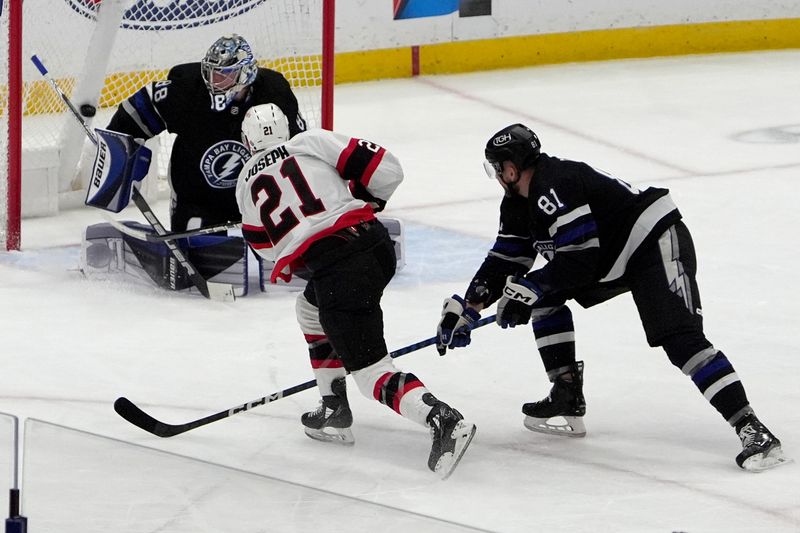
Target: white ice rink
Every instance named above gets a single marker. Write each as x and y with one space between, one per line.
721 132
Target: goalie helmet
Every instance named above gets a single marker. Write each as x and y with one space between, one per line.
263 126
228 67
515 143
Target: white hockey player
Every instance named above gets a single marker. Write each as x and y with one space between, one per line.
310 201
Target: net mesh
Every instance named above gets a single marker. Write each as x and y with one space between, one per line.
153 36
284 34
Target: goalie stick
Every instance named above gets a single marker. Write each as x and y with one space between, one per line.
174 236
211 290
133 414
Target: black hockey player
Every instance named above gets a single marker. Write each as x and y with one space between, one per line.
310 201
204 104
600 237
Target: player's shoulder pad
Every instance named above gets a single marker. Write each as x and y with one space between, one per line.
558 167
185 72
317 143
270 80
552 170
186 86
268 73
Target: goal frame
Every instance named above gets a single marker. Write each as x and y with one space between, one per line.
13 200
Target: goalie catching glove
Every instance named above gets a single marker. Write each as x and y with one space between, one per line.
515 306
456 324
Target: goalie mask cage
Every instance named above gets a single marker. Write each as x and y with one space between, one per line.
102 51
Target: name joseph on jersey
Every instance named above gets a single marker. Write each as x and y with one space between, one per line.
266 160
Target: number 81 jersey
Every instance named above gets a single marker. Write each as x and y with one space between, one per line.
318 182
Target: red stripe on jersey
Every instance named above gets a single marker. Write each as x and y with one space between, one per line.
314 338
256 236
406 388
351 218
345 156
373 164
376 392
359 160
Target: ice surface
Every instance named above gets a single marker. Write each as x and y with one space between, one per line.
657 457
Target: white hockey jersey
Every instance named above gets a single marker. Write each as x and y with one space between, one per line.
315 184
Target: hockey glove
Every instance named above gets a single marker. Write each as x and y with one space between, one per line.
456 324
515 306
121 160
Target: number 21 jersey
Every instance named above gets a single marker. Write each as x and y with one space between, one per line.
319 182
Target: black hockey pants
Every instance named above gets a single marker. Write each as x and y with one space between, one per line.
349 270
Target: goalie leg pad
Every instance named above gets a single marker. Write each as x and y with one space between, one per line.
107 253
397 235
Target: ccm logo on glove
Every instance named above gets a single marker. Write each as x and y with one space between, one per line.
528 298
521 290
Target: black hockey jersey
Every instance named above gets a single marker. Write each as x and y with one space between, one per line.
208 153
586 224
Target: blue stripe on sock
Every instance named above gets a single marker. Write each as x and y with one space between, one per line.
720 362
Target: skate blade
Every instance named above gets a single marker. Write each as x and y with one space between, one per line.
764 461
449 461
564 426
341 436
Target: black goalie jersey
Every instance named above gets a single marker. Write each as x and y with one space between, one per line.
208 153
586 224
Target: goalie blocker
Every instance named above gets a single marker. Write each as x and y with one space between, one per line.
108 252
118 163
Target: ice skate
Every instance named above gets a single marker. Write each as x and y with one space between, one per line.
331 421
761 449
451 436
561 413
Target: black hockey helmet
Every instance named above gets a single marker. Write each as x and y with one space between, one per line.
515 143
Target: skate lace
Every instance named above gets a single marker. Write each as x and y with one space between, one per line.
748 435
435 426
322 410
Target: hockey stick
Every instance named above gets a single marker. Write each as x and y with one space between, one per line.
40 66
133 414
174 236
212 290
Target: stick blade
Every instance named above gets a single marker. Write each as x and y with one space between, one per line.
221 292
133 414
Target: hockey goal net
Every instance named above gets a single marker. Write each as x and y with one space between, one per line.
101 51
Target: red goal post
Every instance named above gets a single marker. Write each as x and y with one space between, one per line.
101 51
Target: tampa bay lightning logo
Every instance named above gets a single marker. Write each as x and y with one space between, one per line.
222 163
171 14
